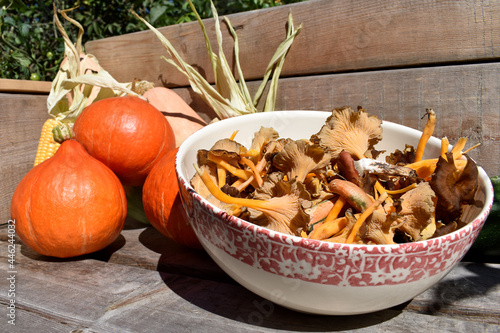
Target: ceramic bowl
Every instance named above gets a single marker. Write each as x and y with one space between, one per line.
315 276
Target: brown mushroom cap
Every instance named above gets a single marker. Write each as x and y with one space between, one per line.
398 157
299 158
453 188
263 137
346 129
284 210
417 210
379 228
229 146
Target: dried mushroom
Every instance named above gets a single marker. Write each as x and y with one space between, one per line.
379 228
417 211
393 177
453 187
398 157
200 187
293 195
346 129
382 168
299 158
229 146
332 188
283 211
263 137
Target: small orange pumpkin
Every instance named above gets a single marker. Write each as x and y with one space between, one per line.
162 203
127 134
69 205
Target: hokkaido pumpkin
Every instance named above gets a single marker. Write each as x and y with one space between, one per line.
127 134
183 119
162 203
69 205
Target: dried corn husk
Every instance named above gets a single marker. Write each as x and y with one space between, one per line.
229 98
69 79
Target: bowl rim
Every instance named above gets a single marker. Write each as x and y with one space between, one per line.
476 223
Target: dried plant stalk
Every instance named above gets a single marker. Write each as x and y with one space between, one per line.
229 98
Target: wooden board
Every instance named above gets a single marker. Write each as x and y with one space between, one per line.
21 121
337 36
24 86
145 283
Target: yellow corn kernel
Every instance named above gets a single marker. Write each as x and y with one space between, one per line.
47 147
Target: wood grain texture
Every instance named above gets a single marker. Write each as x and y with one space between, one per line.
24 86
337 36
21 120
95 293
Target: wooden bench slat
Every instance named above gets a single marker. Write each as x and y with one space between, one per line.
337 36
25 86
102 295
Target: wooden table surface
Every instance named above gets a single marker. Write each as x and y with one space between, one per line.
144 282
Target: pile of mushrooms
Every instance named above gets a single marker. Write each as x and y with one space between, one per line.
330 187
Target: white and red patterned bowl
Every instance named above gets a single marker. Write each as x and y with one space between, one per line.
314 276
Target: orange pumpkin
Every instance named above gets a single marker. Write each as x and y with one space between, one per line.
183 119
162 203
125 133
69 205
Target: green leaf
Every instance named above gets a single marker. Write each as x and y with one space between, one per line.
9 20
17 5
24 29
100 18
156 12
21 58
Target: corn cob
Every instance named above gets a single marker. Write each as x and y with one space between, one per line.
47 147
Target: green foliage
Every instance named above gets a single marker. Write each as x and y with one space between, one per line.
27 35
32 48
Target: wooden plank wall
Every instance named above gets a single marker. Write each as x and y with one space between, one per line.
395 58
21 118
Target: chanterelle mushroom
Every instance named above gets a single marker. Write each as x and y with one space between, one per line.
404 157
229 146
383 168
299 158
284 209
417 210
263 137
346 129
379 228
200 187
453 188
